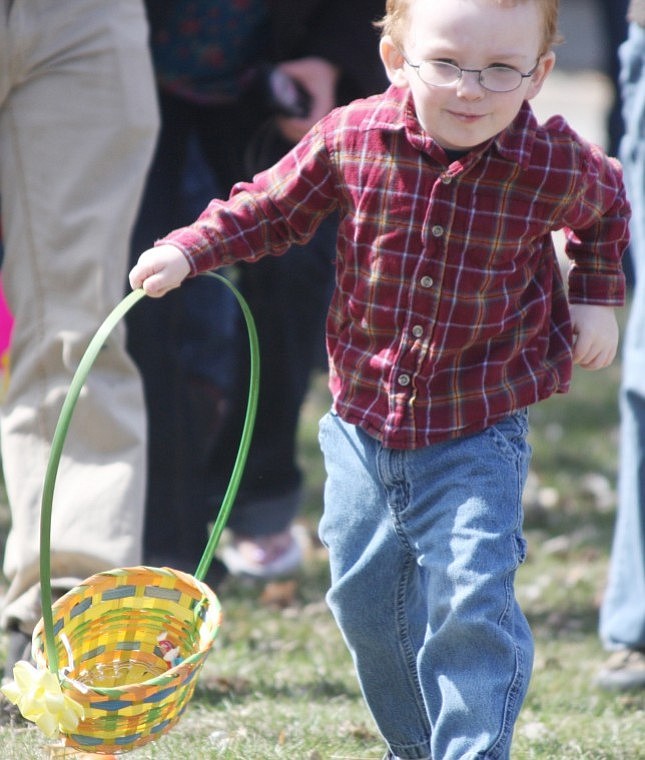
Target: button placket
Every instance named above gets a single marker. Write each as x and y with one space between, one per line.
421 301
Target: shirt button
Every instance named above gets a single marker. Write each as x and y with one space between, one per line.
404 380
437 230
426 281
417 331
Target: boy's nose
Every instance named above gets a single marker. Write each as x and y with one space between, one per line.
468 85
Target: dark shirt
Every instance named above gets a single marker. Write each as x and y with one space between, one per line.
205 49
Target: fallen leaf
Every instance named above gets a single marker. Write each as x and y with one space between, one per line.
279 594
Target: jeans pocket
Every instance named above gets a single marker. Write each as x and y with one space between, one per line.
510 435
521 549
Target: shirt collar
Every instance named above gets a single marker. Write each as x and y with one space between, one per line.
396 112
516 142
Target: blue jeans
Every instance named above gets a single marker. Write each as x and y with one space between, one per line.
424 545
622 617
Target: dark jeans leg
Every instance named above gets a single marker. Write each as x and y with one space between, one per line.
289 296
183 346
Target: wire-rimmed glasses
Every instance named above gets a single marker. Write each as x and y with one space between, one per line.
494 78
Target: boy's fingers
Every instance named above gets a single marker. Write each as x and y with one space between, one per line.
598 359
135 280
138 274
151 283
155 285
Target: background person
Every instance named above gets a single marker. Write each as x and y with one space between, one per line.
78 120
212 61
622 614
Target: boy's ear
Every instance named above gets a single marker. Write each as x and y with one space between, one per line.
547 62
393 61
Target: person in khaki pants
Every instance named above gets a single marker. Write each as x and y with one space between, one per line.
78 123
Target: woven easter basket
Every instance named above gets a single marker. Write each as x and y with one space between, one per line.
128 644
107 633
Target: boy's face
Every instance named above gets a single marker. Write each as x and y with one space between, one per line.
472 34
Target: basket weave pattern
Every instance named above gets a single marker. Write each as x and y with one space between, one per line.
113 623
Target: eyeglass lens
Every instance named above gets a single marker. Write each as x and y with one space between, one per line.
495 78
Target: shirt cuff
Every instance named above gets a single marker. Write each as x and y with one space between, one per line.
599 289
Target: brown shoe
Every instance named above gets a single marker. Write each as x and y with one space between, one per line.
624 670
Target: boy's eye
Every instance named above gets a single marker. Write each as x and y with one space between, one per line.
503 66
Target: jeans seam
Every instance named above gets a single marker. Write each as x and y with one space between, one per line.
397 459
406 645
514 688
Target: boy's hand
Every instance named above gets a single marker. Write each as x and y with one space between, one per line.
159 270
595 331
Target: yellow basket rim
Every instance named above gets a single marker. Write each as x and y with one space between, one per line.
139 572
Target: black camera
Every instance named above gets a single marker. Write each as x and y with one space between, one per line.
282 94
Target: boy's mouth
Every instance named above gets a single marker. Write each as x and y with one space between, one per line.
466 116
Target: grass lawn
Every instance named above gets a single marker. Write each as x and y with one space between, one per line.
280 682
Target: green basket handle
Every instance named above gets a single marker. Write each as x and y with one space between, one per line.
60 433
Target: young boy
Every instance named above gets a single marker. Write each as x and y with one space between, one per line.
449 318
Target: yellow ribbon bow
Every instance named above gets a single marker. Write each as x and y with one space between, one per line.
40 698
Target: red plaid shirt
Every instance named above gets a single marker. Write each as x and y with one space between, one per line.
450 310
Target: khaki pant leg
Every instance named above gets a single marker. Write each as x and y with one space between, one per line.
77 130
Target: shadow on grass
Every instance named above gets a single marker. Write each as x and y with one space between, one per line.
210 692
564 623
569 518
